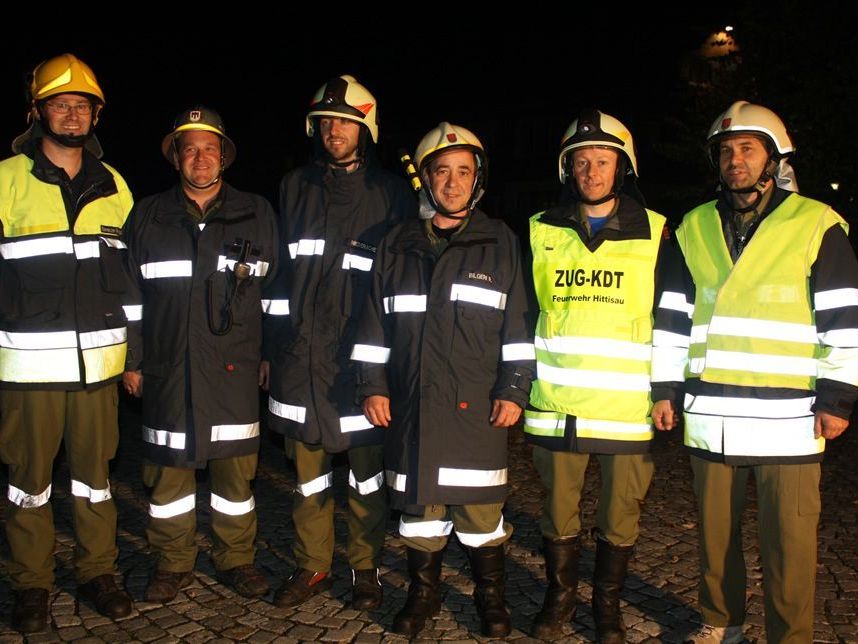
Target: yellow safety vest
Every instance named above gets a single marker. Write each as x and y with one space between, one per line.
593 339
754 326
47 258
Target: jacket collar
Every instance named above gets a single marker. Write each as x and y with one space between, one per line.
98 178
478 232
725 209
631 222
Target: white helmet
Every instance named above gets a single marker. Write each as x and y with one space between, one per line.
444 138
343 97
596 129
746 117
743 117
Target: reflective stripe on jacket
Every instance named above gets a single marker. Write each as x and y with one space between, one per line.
753 325
201 325
62 323
594 334
442 337
331 223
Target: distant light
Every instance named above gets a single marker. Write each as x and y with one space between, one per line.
728 28
835 186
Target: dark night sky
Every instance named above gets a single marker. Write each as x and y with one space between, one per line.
539 70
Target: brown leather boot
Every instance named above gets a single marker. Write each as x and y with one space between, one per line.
30 614
367 592
246 580
108 599
301 586
164 585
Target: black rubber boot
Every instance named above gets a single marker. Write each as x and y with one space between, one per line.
561 568
424 599
487 566
612 562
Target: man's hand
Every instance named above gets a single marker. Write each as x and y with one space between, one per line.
828 425
377 410
264 373
504 413
664 416
132 381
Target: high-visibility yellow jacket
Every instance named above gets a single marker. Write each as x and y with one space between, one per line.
62 275
593 337
754 334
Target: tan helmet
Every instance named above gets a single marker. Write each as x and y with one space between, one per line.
199 119
64 74
343 97
593 128
746 117
444 138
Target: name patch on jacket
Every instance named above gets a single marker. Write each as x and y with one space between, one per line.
111 230
357 244
477 276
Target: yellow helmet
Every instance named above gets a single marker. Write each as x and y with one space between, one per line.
595 128
444 138
64 74
746 117
343 97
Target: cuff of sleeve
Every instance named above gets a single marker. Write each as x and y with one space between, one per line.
672 391
830 409
517 396
835 398
365 391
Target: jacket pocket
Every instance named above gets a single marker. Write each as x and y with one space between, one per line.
112 269
477 334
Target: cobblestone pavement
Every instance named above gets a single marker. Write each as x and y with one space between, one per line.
658 602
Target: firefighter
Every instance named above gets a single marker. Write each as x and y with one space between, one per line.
766 328
62 337
202 253
333 214
446 363
597 266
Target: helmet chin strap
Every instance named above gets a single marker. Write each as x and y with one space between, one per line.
759 188
596 202
345 164
202 186
472 201
615 189
66 140
360 152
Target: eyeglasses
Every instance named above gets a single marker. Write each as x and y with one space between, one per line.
61 107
